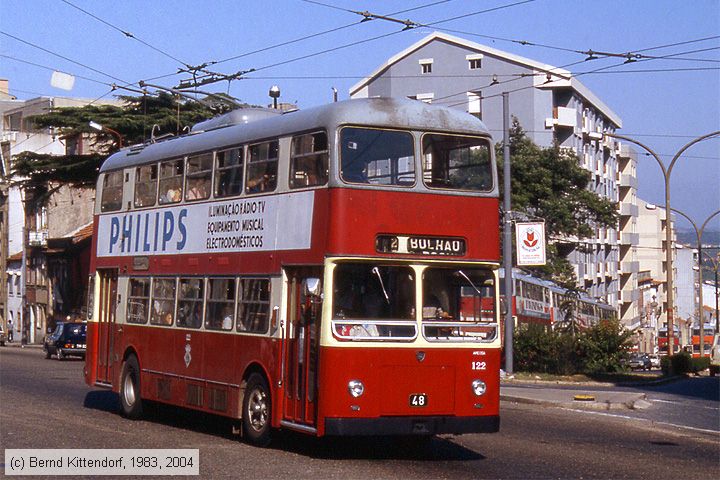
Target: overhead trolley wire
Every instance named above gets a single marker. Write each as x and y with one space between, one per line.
62 56
53 69
126 33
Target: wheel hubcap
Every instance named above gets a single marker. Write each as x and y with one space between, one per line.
258 410
129 390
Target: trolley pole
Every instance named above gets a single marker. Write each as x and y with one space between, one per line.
507 237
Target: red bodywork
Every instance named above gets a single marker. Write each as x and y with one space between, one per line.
345 223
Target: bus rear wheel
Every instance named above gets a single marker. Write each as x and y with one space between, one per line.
130 402
256 411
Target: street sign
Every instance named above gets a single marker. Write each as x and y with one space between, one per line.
530 243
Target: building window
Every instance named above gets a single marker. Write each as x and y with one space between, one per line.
475 104
474 61
426 66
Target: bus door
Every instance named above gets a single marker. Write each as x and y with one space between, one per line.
301 346
107 302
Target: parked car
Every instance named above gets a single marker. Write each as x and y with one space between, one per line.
655 360
640 361
68 339
2 337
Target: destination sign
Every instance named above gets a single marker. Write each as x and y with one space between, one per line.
420 245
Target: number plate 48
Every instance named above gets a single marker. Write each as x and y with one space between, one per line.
418 400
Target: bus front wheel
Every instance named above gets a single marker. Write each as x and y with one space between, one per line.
256 411
130 403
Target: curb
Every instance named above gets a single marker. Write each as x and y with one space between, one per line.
639 403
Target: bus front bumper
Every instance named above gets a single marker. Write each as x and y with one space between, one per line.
410 425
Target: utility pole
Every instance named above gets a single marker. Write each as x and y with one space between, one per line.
507 237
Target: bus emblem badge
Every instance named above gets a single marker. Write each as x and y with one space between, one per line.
188 357
420 356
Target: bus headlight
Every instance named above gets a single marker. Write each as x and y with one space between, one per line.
356 388
479 387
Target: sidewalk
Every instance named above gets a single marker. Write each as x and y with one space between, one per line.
575 398
18 345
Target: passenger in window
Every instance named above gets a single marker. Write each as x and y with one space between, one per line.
172 195
167 319
228 318
260 184
199 190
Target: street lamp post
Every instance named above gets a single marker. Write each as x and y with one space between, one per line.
699 234
100 128
667 171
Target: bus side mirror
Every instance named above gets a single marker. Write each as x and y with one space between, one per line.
312 287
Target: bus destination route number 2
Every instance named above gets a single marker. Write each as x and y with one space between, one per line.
420 245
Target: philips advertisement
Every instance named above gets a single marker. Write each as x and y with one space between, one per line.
279 222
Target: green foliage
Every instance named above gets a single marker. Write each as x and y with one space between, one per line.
599 349
549 183
538 350
699 364
40 174
680 363
604 346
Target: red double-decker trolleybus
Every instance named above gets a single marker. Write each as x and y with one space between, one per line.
331 271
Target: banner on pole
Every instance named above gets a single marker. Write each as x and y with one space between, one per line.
530 243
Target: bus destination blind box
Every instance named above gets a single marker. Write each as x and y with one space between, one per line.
421 245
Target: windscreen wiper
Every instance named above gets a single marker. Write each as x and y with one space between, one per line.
376 271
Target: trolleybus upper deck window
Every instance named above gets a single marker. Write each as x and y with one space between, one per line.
198 176
262 167
459 304
229 172
309 160
112 192
171 181
372 300
457 163
378 157
146 186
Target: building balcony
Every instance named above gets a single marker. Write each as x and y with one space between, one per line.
629 296
562 117
631 239
628 209
628 268
628 181
37 238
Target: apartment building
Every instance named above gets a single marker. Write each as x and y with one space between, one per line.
45 240
552 107
651 253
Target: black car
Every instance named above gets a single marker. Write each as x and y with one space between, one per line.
68 339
